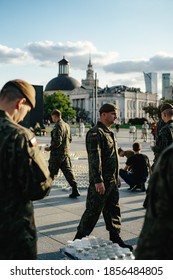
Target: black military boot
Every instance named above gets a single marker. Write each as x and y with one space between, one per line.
79 235
115 238
75 193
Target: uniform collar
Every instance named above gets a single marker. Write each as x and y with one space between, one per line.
103 126
4 114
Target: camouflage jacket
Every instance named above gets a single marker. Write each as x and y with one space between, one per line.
102 154
60 139
24 176
156 237
164 137
128 153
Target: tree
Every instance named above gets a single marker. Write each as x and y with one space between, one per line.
58 100
81 114
154 112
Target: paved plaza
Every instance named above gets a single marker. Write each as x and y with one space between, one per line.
57 216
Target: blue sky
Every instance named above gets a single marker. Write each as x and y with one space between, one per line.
124 38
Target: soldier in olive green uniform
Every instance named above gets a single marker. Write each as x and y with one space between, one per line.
103 194
24 176
60 151
164 137
156 237
127 153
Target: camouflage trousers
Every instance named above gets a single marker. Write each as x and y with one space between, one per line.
107 204
56 164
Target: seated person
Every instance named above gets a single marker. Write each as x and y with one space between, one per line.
135 172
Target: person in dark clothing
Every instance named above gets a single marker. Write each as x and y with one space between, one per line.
103 194
164 135
139 166
156 236
60 152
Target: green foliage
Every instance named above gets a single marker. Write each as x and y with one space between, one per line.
81 114
58 100
154 112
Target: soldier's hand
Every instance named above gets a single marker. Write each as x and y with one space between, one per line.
100 188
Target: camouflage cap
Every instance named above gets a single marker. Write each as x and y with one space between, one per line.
25 88
108 107
166 106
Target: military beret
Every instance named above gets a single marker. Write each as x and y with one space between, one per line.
25 88
108 107
166 106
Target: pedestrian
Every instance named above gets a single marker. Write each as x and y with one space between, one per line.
60 151
103 193
156 237
164 136
145 128
81 129
24 175
135 172
153 130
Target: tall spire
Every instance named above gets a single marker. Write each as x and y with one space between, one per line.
90 72
89 82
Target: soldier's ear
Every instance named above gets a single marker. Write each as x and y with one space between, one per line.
20 102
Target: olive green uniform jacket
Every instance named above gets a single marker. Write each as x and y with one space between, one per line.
156 237
60 152
103 167
24 177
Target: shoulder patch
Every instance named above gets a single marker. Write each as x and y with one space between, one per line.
33 141
94 134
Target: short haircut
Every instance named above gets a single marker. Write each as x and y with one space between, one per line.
168 112
11 93
56 112
136 147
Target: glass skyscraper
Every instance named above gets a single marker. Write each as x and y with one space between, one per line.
151 82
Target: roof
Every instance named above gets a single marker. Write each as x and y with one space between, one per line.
62 82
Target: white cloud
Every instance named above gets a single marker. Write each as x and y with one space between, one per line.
111 70
48 53
158 63
76 52
12 56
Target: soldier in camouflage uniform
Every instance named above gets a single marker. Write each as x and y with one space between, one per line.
156 237
103 193
164 137
60 151
127 153
24 176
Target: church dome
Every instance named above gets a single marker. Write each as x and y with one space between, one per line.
62 82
